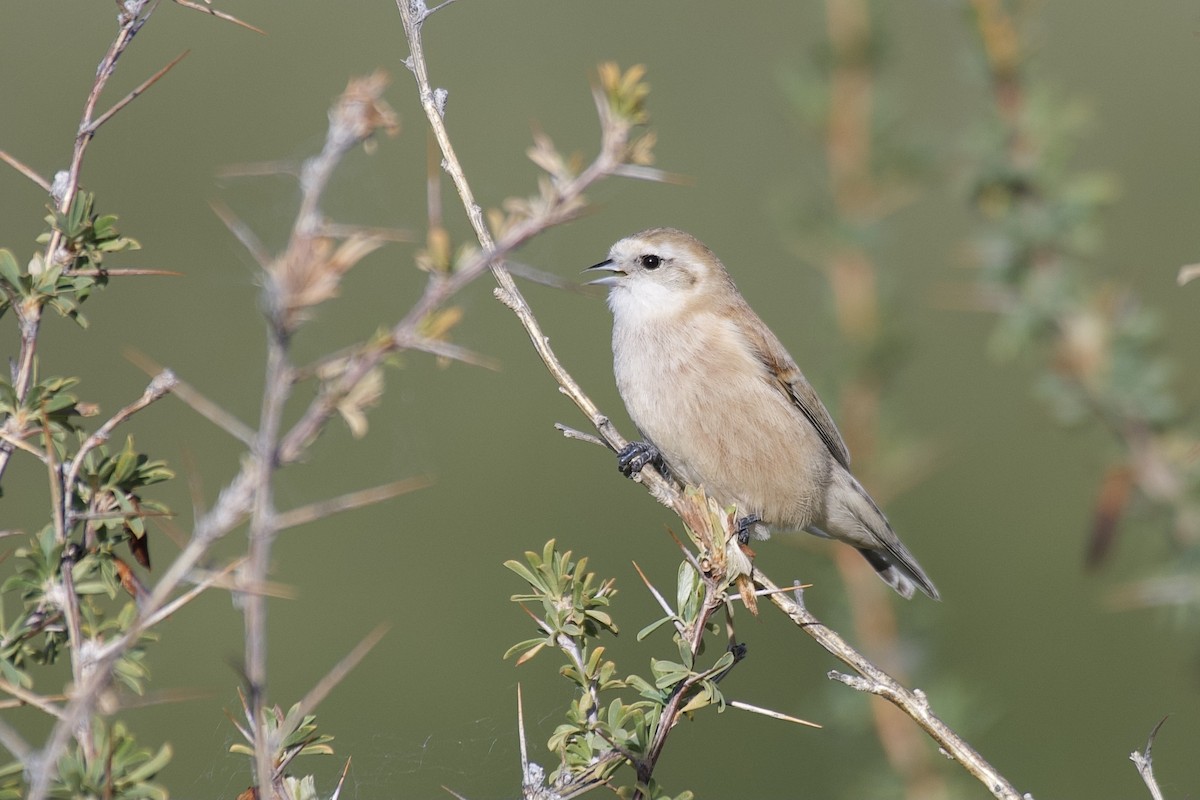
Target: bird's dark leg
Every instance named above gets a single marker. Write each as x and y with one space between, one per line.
745 525
636 455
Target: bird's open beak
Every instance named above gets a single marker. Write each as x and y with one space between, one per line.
607 280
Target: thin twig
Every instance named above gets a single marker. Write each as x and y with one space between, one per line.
12 741
323 687
198 402
207 9
243 234
122 273
160 386
25 170
343 231
348 501
582 436
662 601
31 698
129 98
212 579
21 444
259 169
455 352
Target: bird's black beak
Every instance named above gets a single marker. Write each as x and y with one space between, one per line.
607 280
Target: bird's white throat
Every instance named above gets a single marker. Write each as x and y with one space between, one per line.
637 301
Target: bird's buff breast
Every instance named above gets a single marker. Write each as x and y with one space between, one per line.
693 388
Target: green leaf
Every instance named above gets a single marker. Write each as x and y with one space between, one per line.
10 270
528 644
152 767
15 676
652 627
668 673
524 572
125 464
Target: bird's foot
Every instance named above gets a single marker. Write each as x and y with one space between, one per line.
636 455
744 527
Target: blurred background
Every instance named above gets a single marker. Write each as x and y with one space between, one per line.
870 273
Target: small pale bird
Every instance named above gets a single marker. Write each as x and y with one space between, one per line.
722 405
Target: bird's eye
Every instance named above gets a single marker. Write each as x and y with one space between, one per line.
651 261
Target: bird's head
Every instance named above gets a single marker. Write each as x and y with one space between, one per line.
662 271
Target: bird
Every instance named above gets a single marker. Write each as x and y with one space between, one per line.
721 404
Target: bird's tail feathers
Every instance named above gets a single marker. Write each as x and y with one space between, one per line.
853 517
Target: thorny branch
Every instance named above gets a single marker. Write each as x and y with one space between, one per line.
248 494
873 680
132 17
615 135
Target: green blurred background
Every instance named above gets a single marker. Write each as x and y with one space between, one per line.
1024 656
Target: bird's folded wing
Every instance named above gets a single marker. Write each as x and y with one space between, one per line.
790 380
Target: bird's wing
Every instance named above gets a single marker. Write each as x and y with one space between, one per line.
791 381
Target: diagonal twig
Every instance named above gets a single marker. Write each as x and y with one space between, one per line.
206 8
159 387
95 124
346 502
335 675
25 170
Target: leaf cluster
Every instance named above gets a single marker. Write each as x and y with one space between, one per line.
120 769
63 589
613 721
296 733
84 239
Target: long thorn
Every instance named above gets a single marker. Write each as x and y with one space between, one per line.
348 501
129 98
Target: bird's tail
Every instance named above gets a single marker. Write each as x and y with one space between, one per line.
904 577
852 516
